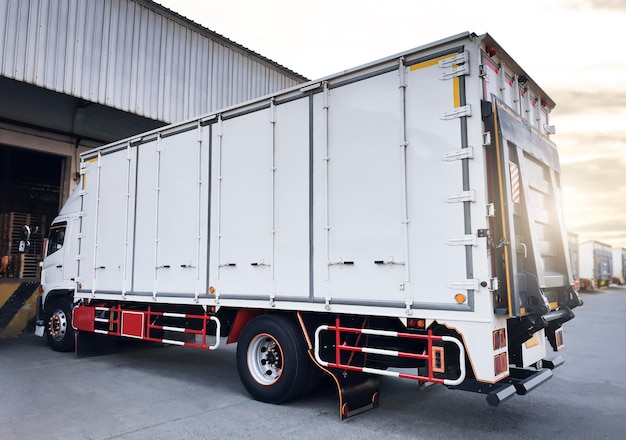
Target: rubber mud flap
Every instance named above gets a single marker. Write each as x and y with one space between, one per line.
91 344
358 392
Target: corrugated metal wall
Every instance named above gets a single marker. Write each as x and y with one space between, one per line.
132 55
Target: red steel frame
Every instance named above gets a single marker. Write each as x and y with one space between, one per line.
426 356
115 323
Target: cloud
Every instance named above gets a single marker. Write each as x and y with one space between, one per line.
600 178
594 194
610 5
595 143
572 101
592 161
593 176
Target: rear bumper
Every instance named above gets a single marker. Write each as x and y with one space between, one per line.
521 381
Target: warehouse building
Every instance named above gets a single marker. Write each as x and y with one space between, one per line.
76 74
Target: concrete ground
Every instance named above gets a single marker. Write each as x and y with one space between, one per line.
181 393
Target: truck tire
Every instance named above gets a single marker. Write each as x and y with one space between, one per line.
58 319
272 359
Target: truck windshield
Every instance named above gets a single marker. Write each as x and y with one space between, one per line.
56 237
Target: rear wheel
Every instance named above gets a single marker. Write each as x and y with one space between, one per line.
272 359
59 331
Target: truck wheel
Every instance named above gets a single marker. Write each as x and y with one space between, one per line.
272 359
59 331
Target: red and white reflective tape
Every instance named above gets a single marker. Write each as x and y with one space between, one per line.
217 322
117 322
515 183
392 353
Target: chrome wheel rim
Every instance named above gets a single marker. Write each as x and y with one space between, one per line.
58 325
265 359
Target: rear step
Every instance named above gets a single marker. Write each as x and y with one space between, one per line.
521 381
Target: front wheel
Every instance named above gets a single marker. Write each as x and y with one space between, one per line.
272 359
59 331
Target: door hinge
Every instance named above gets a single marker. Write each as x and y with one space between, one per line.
454 66
463 153
463 196
458 112
453 72
494 284
464 285
465 240
487 139
484 233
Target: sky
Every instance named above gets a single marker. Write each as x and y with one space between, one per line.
572 48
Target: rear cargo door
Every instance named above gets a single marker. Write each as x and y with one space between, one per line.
393 196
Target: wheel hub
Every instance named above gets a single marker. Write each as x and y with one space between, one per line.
265 359
57 325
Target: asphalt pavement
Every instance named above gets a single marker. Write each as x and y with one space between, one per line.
180 393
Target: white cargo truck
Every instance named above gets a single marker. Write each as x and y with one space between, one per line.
402 218
596 264
619 266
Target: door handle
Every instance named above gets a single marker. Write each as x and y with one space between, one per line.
525 250
59 266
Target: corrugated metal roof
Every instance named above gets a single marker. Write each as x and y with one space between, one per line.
133 55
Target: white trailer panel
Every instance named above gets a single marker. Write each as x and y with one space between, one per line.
619 264
596 262
326 195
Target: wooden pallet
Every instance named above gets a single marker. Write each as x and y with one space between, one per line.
21 265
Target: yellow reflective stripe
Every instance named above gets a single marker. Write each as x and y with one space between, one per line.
92 160
504 235
456 83
432 62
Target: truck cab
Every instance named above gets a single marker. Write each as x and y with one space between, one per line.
58 274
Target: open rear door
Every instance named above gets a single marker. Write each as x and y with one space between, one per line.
530 239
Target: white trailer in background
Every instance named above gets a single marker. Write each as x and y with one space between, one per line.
619 266
596 264
405 213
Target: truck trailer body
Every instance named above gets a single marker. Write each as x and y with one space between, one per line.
402 218
596 264
619 266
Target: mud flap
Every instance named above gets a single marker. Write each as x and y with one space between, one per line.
91 344
358 392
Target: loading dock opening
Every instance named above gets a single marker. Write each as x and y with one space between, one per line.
30 187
